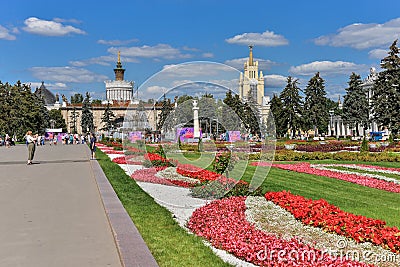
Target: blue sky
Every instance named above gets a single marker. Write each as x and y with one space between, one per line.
72 45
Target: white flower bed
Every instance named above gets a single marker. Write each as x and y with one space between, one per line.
170 173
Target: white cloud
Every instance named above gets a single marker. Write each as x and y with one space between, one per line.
117 42
378 53
6 34
164 51
195 69
267 38
263 64
75 21
362 36
66 74
51 86
327 68
49 28
275 81
156 89
208 55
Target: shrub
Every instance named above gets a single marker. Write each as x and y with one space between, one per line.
224 187
364 145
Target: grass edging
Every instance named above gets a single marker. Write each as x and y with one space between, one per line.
168 242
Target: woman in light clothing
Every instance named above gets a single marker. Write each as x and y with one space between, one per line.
30 141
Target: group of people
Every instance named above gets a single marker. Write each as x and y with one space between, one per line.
32 140
70 139
7 141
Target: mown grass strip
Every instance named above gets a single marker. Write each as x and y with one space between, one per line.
168 242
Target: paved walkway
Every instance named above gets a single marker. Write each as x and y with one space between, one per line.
62 211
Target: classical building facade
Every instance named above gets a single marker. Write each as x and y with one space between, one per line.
251 85
338 128
130 114
119 89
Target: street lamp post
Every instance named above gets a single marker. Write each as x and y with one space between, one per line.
331 112
217 124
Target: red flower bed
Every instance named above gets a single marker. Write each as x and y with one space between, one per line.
148 175
353 178
320 213
223 222
113 151
153 159
197 173
261 164
126 160
119 160
134 149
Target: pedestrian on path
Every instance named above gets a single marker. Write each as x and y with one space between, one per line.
31 142
93 145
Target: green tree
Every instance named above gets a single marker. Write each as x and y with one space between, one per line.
76 98
277 112
292 106
315 113
108 119
57 119
355 104
74 120
232 113
21 110
386 92
96 102
251 114
166 110
87 115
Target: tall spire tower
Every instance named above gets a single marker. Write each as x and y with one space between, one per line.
251 86
119 89
251 55
119 71
251 82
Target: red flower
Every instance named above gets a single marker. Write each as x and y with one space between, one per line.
320 213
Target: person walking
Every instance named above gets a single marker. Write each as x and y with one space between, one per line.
8 141
93 145
31 140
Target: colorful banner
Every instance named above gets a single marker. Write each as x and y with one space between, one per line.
134 136
185 133
234 136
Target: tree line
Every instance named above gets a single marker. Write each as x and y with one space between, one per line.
295 113
21 110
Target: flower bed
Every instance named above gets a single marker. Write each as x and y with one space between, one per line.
320 213
197 173
333 167
149 176
271 218
126 160
152 159
223 223
353 178
113 151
